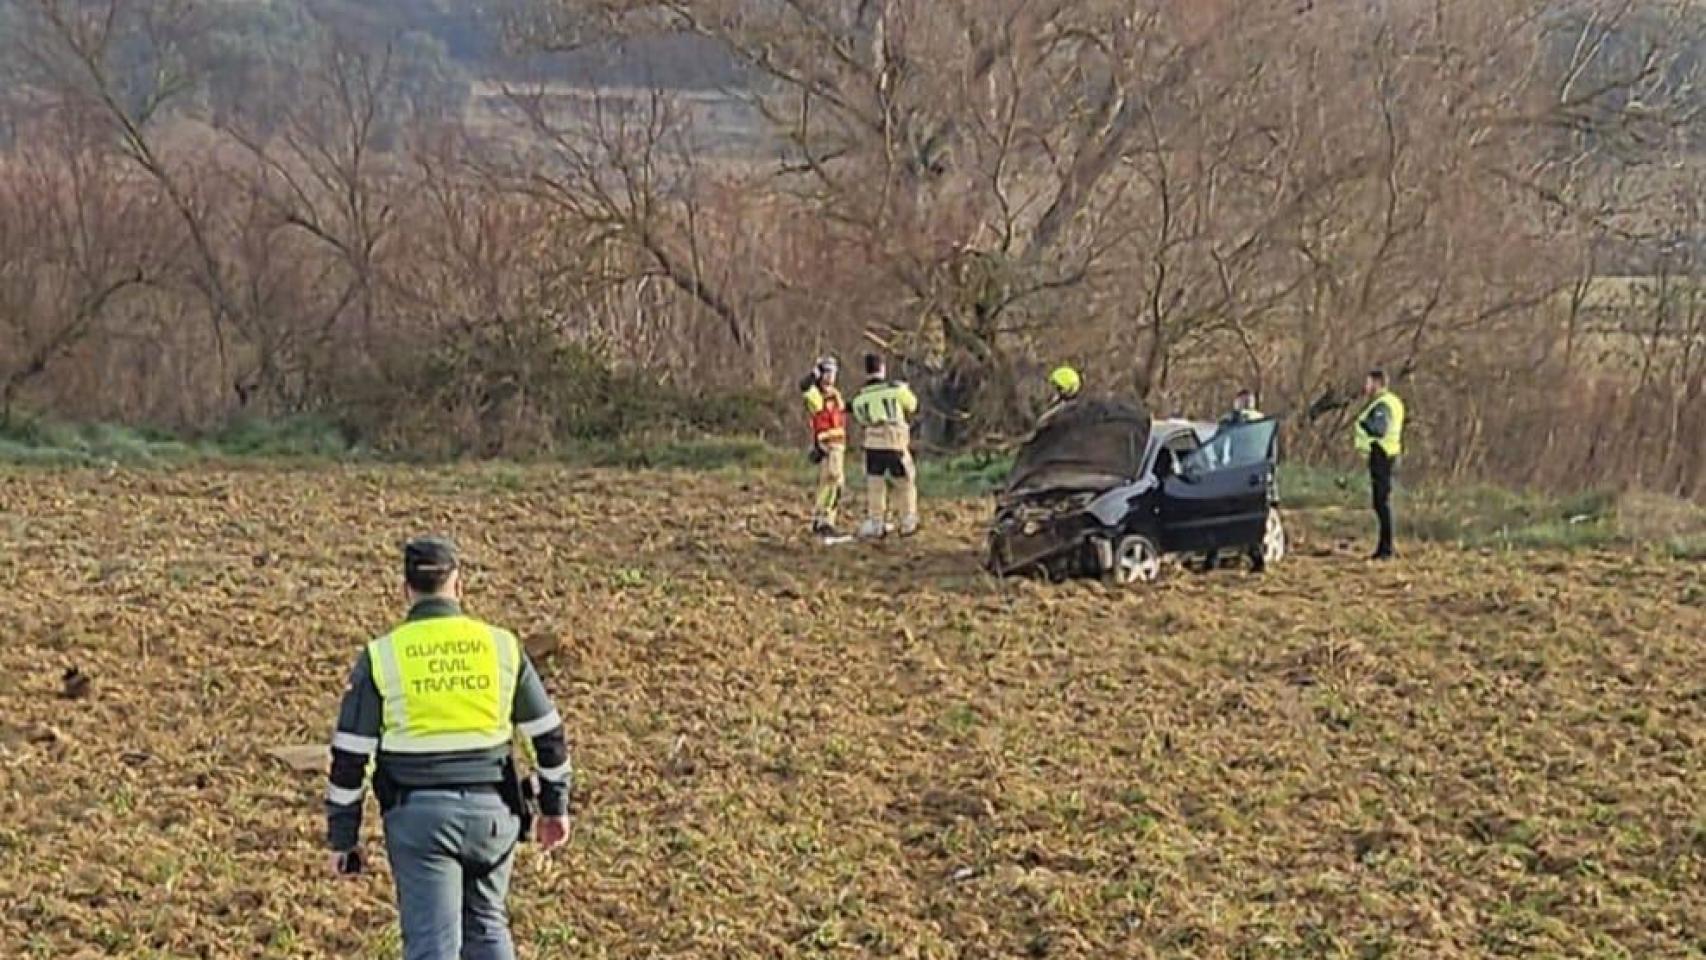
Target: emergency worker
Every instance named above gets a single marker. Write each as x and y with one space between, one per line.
433 706
827 413
1068 386
884 409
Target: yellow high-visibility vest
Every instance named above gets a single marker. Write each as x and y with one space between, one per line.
1393 441
883 409
448 685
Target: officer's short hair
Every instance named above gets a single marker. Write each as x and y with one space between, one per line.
428 563
1378 376
873 364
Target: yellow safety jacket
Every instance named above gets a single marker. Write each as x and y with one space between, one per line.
448 684
882 408
1392 441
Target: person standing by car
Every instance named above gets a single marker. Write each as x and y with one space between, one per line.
1380 438
1243 408
884 409
828 418
1243 411
433 706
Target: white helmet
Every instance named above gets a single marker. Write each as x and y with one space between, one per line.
827 365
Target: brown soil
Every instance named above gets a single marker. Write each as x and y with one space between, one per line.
785 750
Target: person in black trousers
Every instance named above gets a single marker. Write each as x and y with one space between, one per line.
1380 437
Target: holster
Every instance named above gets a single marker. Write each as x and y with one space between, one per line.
386 790
818 453
521 795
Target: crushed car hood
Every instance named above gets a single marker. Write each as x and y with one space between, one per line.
1092 445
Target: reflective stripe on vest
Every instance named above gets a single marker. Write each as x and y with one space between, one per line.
882 408
883 404
828 415
1393 441
448 685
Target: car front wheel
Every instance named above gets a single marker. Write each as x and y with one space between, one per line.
1137 559
1273 546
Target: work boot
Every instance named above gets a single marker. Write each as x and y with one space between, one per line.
909 525
871 530
823 528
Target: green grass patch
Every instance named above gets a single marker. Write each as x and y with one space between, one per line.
964 475
1306 487
1486 516
44 442
51 443
289 438
1686 547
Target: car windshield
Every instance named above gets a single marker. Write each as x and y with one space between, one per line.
1092 445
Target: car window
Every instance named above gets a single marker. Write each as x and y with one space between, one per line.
1234 445
1170 451
1183 442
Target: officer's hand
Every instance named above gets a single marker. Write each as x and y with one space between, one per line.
344 863
550 832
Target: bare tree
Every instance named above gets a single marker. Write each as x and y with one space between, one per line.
624 168
321 176
81 50
73 242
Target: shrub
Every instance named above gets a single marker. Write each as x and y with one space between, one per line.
306 436
521 389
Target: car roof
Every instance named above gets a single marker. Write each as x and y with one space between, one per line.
1171 426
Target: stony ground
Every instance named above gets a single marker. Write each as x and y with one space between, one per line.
786 751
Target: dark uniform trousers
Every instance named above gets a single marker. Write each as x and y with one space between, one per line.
1380 467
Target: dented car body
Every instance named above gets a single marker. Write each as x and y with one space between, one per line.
1104 490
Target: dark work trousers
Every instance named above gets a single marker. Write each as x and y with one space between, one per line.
1380 467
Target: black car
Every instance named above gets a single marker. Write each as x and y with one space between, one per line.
1104 490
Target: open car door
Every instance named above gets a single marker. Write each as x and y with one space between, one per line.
1220 496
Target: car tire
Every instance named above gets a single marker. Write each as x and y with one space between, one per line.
1137 559
1273 547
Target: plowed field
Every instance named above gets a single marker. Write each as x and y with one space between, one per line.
785 750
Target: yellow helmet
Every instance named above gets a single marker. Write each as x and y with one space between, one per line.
1066 381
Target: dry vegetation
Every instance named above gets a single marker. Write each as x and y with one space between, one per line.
868 751
1175 196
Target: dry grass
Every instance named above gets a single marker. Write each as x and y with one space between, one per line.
876 751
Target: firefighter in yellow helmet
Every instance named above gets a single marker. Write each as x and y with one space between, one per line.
1067 386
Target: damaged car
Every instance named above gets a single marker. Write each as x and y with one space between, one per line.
1105 490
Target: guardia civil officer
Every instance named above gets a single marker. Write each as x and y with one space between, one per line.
1380 438
436 702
